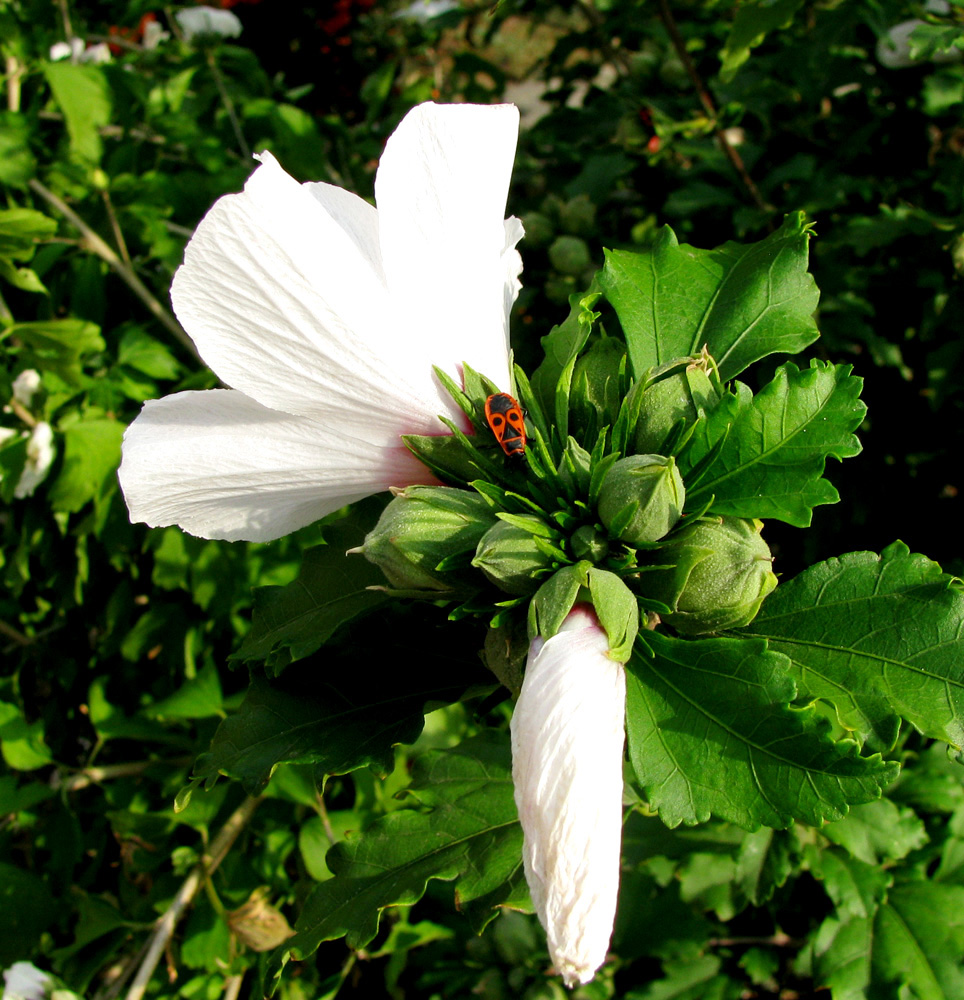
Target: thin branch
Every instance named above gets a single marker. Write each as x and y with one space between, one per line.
165 926
228 104
107 772
13 70
116 229
94 243
736 161
17 636
25 416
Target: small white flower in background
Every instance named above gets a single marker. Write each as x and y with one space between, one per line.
325 316
423 11
24 981
40 456
76 51
567 767
154 34
25 385
66 50
196 22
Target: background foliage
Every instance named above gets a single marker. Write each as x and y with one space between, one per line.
124 649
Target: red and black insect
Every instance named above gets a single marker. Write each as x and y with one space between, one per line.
506 421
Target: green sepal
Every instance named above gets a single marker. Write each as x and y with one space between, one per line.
555 599
617 611
575 469
443 455
597 385
530 403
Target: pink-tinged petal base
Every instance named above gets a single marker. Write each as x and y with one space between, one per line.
221 465
567 755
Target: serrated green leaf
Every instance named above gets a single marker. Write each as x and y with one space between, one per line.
470 836
711 732
856 888
877 636
777 443
915 940
197 698
877 832
329 713
692 979
742 302
332 588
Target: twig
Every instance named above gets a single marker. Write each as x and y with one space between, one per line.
232 986
736 161
95 775
115 227
164 928
104 251
17 636
22 412
65 17
13 70
228 104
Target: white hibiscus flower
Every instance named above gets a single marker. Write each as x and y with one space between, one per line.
567 756
325 317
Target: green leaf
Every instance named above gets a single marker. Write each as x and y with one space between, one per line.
466 832
84 97
753 22
562 346
878 832
776 444
915 940
877 636
22 742
56 345
711 732
20 229
91 457
332 588
742 302
695 978
17 162
856 888
26 909
334 713
197 698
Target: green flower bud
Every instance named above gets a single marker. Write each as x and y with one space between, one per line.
578 216
422 527
641 498
539 229
570 255
722 574
595 388
589 543
680 396
508 555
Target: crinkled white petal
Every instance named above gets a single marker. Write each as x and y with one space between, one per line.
194 21
441 191
282 292
220 465
567 754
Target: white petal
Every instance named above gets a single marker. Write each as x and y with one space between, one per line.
220 465
441 190
567 753
282 291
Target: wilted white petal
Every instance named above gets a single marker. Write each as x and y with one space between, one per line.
40 456
198 21
220 465
25 385
441 192
24 981
154 34
567 754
